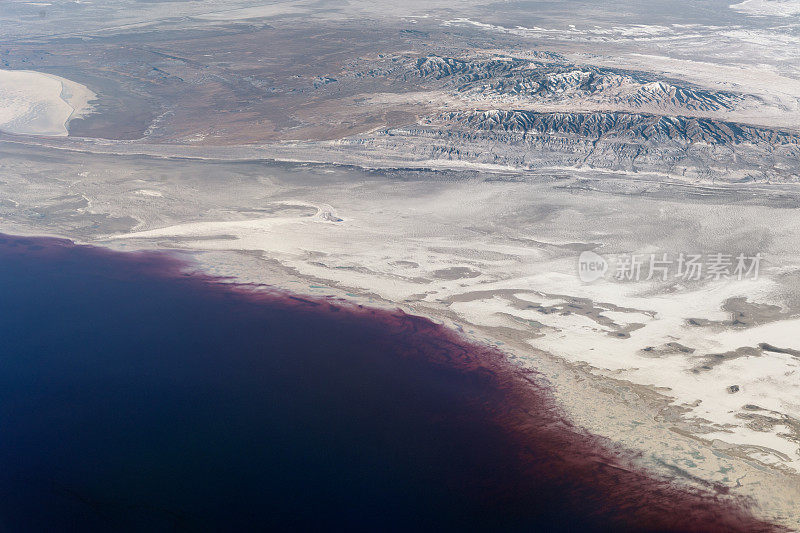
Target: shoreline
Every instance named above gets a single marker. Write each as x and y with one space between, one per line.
562 453
653 437
638 417
654 432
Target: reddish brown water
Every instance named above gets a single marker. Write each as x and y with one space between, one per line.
134 397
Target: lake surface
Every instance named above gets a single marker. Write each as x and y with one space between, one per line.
136 397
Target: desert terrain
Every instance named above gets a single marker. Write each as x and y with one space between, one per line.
447 162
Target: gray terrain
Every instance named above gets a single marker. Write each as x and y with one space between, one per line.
455 160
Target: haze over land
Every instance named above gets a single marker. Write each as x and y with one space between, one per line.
454 160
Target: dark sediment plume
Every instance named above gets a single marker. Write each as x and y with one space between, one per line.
135 396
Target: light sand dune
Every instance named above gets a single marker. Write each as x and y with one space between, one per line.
780 8
35 103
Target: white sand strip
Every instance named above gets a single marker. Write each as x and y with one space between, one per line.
35 103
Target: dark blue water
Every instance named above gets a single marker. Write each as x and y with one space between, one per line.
134 397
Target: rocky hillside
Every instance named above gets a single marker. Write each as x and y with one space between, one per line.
558 82
636 127
688 147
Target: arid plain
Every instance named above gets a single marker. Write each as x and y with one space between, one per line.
447 162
